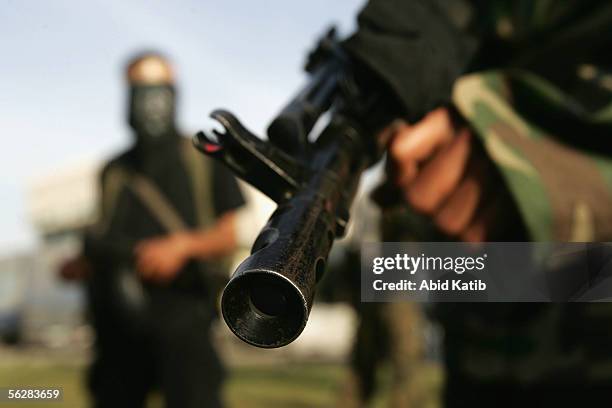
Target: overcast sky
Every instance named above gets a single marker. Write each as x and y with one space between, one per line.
62 98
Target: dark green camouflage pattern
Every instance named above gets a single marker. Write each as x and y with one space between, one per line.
562 192
552 144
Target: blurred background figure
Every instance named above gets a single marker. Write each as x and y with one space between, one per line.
395 347
390 337
64 115
152 259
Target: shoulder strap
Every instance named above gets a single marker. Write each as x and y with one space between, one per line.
112 182
200 172
117 178
156 202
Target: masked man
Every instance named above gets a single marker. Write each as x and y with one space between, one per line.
167 219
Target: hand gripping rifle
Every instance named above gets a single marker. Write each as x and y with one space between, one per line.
268 299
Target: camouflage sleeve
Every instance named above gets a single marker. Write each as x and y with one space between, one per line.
563 192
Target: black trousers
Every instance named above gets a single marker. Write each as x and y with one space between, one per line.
170 352
461 394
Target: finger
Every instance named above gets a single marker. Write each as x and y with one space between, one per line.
418 142
479 229
138 259
165 275
153 274
156 271
142 245
388 134
142 268
146 244
440 176
459 209
406 173
142 253
164 272
146 265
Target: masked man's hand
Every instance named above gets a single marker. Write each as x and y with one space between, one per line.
75 269
442 174
160 259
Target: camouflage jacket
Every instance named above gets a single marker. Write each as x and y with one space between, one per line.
563 193
543 112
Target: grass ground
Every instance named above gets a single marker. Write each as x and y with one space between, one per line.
269 386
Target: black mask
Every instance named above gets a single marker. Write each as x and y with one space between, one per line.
152 111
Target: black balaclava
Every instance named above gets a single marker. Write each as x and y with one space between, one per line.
152 112
152 100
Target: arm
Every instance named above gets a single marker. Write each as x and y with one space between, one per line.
215 242
499 177
530 148
443 174
103 242
160 259
414 45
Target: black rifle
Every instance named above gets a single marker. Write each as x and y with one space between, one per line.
269 297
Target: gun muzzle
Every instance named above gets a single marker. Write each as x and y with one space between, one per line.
268 299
